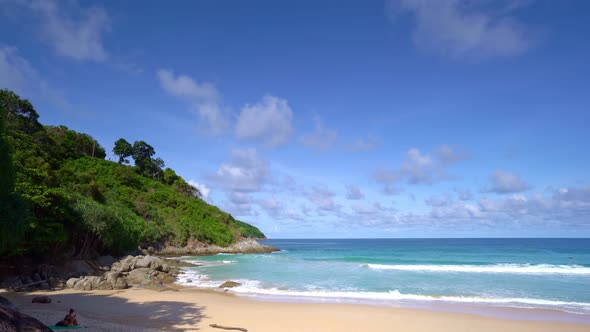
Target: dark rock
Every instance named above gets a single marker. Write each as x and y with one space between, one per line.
12 320
189 280
36 277
81 268
106 261
44 286
26 280
5 302
41 299
229 284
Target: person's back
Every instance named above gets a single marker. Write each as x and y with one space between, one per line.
69 319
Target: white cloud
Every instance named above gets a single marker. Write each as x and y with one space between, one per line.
464 194
246 172
268 121
365 144
73 31
186 87
322 138
18 75
15 71
323 199
448 155
204 98
461 29
203 189
353 192
439 201
419 168
502 182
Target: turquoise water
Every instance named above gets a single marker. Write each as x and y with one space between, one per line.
528 273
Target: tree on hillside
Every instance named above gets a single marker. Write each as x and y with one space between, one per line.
142 155
19 114
12 210
123 149
71 144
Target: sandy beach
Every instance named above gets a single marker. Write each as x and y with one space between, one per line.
194 310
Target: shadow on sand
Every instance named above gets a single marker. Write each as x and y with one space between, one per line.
107 307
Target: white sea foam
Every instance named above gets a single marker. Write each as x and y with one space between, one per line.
497 268
395 296
255 288
195 279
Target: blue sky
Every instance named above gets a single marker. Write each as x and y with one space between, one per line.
403 118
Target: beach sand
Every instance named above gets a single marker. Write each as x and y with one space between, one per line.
194 310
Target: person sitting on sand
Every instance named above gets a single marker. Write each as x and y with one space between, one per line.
69 320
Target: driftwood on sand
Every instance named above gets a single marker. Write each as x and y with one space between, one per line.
228 327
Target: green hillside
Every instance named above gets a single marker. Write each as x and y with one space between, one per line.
58 194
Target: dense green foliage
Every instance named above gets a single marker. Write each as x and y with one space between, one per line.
123 150
57 193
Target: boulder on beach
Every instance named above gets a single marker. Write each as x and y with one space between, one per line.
12 320
229 284
81 268
72 282
41 299
141 276
106 261
4 302
151 262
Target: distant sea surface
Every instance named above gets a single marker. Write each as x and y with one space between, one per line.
525 273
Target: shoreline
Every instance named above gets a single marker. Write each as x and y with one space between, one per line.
190 309
492 308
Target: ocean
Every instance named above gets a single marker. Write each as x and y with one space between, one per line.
549 274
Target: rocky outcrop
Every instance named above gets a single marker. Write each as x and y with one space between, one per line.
244 246
12 320
229 284
131 270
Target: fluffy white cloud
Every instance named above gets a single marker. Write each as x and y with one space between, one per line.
419 168
246 172
353 192
555 210
502 182
73 31
184 86
268 121
461 29
204 98
322 138
203 189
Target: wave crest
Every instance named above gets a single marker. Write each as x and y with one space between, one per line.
498 268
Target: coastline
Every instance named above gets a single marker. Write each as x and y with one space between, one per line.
186 309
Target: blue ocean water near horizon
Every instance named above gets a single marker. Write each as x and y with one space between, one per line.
525 273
